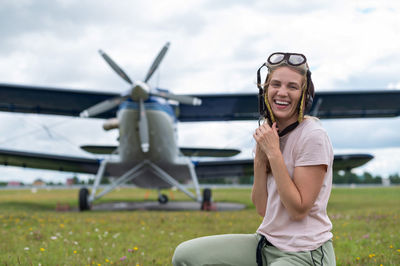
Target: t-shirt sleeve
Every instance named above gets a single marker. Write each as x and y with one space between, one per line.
314 149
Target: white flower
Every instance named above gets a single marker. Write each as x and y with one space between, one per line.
53 237
26 248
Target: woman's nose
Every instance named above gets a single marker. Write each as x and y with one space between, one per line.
282 91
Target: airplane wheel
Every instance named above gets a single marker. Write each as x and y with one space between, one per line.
206 204
84 199
163 199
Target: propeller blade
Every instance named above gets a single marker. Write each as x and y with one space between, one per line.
116 68
102 107
143 128
157 62
180 98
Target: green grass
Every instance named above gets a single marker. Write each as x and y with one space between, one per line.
366 227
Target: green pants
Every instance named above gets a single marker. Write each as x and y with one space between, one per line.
240 249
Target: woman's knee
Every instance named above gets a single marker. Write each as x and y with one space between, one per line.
183 255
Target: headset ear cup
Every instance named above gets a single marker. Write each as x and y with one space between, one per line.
261 105
310 93
309 102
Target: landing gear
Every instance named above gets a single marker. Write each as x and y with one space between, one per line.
206 204
84 199
163 199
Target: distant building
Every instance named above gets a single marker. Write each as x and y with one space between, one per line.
70 181
38 183
14 184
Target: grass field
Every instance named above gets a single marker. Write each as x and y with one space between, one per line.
365 220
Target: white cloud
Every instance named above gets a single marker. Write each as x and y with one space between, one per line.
394 85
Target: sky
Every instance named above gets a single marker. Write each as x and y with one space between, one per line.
216 46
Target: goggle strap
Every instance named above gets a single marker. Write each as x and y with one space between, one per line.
259 78
260 91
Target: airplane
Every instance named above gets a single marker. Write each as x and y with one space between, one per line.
148 154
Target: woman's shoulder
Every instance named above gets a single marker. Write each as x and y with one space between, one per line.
312 123
312 127
313 137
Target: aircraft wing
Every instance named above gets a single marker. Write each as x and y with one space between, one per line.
54 101
187 151
204 169
49 161
238 168
338 104
347 162
227 168
214 107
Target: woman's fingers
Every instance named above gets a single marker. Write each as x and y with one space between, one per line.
275 129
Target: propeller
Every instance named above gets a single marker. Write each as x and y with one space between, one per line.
143 128
139 91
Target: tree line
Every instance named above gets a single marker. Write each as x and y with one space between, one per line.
341 177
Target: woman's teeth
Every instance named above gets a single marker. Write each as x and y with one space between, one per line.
281 102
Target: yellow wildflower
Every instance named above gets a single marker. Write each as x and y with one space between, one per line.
107 260
75 251
42 249
135 248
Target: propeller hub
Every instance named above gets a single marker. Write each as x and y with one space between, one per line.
140 90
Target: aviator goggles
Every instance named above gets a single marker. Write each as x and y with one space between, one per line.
291 58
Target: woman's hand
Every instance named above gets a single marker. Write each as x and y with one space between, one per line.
267 139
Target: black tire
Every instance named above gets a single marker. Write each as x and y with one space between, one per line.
207 195
163 199
84 199
206 203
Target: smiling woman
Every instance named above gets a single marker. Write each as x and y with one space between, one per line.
292 180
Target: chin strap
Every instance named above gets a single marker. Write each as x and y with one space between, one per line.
288 129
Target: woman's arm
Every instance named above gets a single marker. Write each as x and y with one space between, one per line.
298 194
259 193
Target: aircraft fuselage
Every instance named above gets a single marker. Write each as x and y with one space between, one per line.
164 151
162 132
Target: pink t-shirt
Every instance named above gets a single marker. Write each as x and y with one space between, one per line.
308 144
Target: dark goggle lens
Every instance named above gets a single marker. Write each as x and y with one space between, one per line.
276 58
296 60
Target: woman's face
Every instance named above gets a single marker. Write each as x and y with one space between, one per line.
284 93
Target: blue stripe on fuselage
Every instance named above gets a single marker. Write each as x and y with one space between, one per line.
153 103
